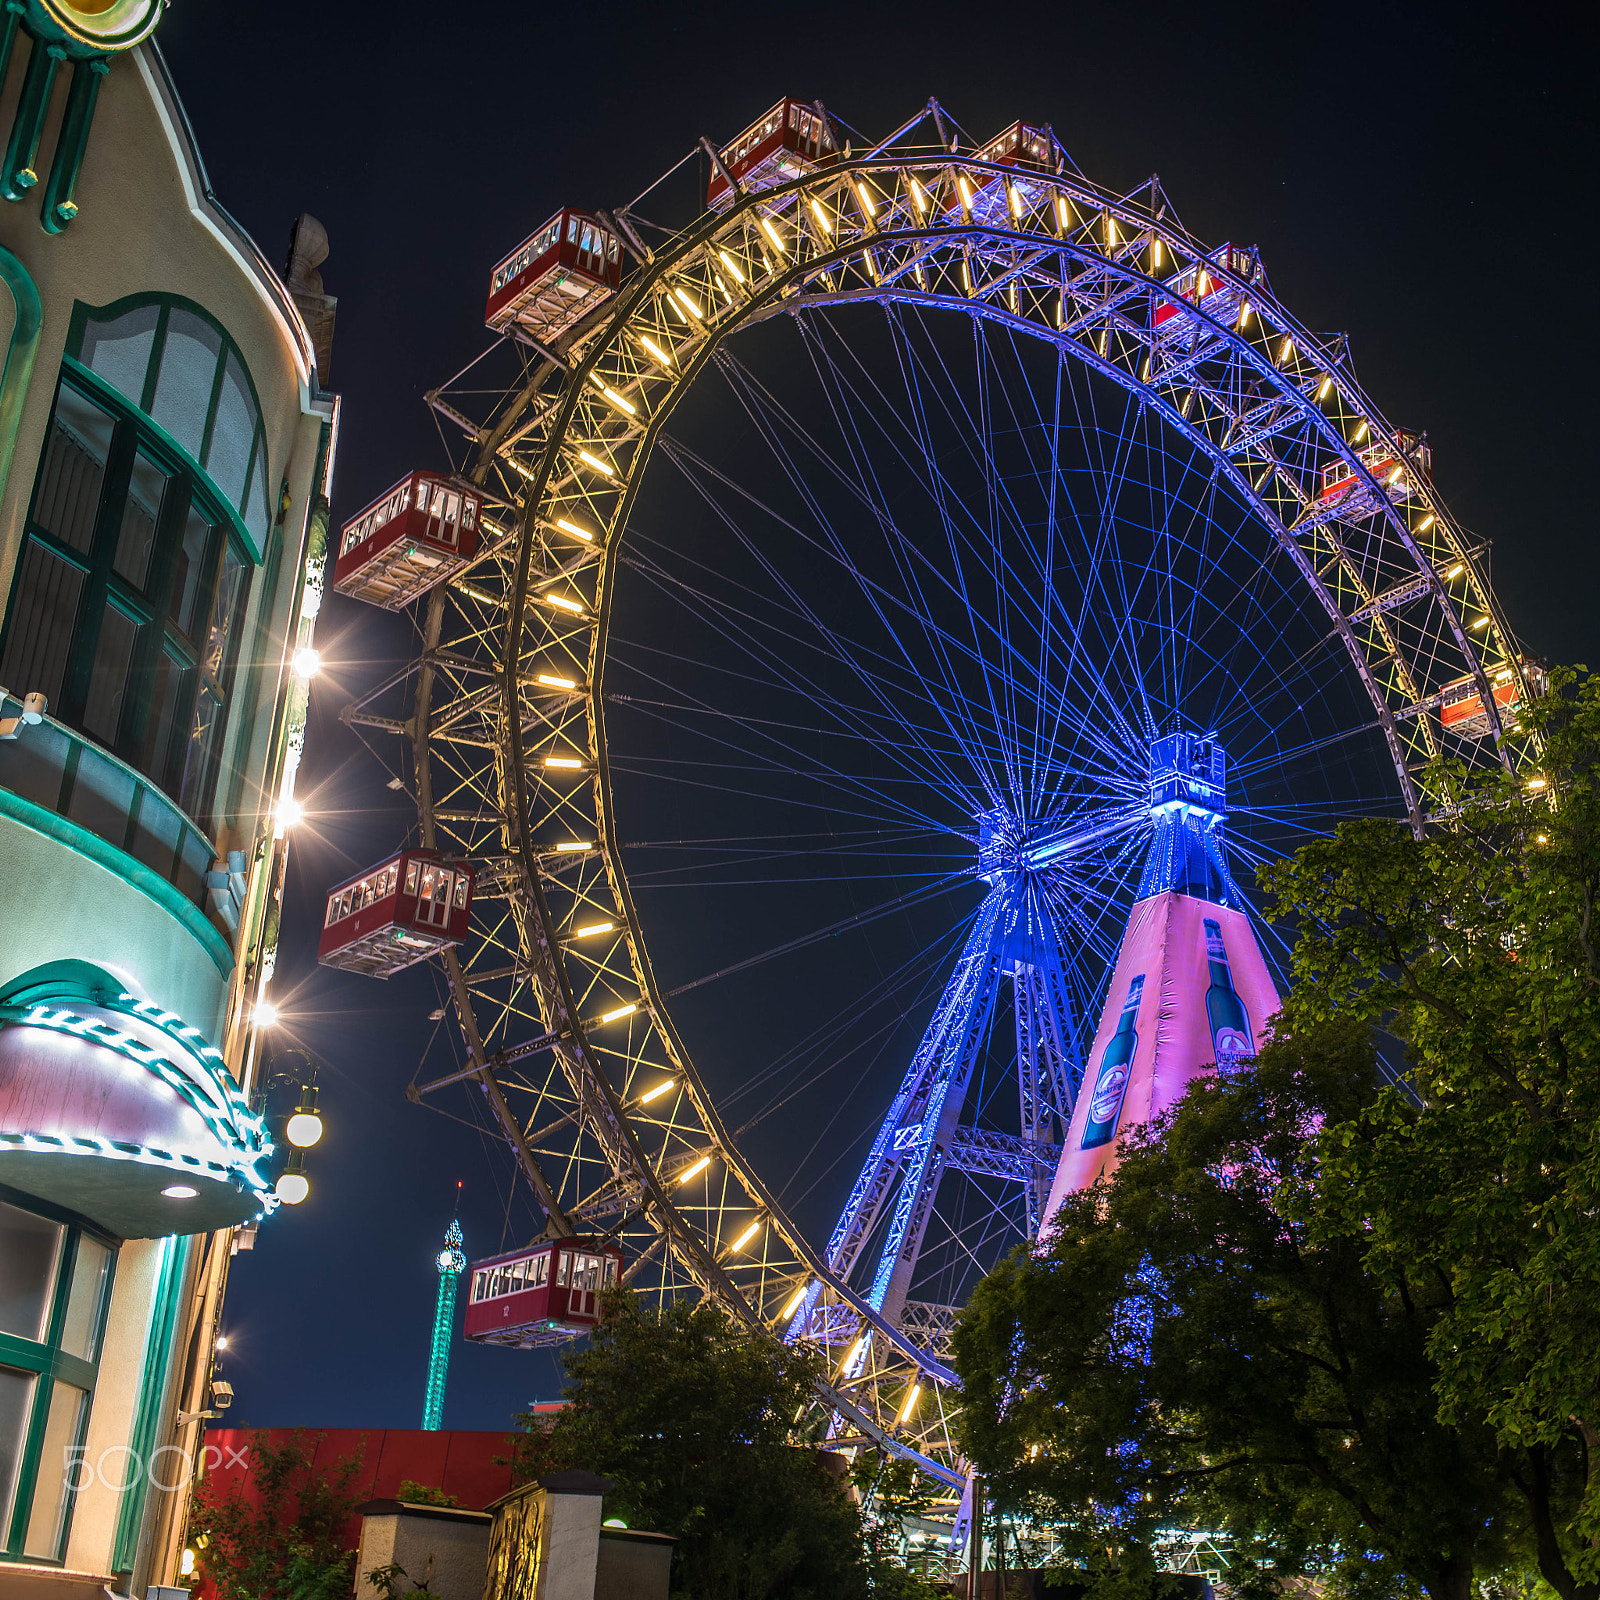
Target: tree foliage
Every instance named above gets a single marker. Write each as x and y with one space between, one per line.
281 1536
1182 1354
1477 946
690 1417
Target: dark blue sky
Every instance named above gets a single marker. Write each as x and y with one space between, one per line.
1414 174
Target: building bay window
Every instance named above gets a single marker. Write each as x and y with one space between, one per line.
133 578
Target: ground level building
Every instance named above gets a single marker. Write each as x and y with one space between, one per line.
166 454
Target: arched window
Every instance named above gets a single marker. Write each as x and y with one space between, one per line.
149 509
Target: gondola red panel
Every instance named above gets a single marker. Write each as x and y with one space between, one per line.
415 536
541 1294
572 265
396 914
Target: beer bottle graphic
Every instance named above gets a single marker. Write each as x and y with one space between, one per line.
1105 1104
1230 1023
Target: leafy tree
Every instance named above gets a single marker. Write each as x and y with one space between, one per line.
423 1494
1180 1353
283 1539
1478 946
689 1415
891 1489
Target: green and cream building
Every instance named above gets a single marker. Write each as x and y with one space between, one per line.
166 451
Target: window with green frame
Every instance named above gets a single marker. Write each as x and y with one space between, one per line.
133 578
55 1286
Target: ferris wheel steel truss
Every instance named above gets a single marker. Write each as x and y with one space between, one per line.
507 727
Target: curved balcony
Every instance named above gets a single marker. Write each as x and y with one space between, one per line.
48 767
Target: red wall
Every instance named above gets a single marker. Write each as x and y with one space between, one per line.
458 1462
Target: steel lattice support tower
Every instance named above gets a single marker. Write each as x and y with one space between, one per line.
452 1263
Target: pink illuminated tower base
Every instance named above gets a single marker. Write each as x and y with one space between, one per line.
1190 989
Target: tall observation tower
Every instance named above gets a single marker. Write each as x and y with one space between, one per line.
452 1263
1190 986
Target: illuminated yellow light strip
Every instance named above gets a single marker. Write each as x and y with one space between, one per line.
555 683
654 351
562 603
1455 571
569 763
1063 212
966 193
694 1171
1361 434
866 199
911 1402
774 235
1155 251
732 266
623 1011
574 530
1285 352
1536 783
794 1305
1111 231
918 198
1426 523
1014 195
822 217
593 929
1482 622
855 1350
1327 384
748 1234
570 846
618 401
657 1092
682 297
597 463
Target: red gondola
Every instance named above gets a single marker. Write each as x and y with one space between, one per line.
555 276
1024 146
1396 463
791 140
542 1293
408 540
396 914
1461 708
1218 297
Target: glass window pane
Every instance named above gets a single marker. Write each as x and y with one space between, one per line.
137 535
166 692
183 387
52 1488
67 495
108 678
232 434
91 1276
190 565
46 611
230 585
194 789
255 510
16 1400
29 1246
119 350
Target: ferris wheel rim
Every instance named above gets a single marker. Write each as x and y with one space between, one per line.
776 300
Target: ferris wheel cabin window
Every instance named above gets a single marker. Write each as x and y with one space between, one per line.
134 574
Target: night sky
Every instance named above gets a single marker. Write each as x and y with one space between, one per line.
1419 176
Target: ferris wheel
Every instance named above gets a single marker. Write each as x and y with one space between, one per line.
832 555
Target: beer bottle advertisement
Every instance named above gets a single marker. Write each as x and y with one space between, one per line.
1105 1104
1230 1023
